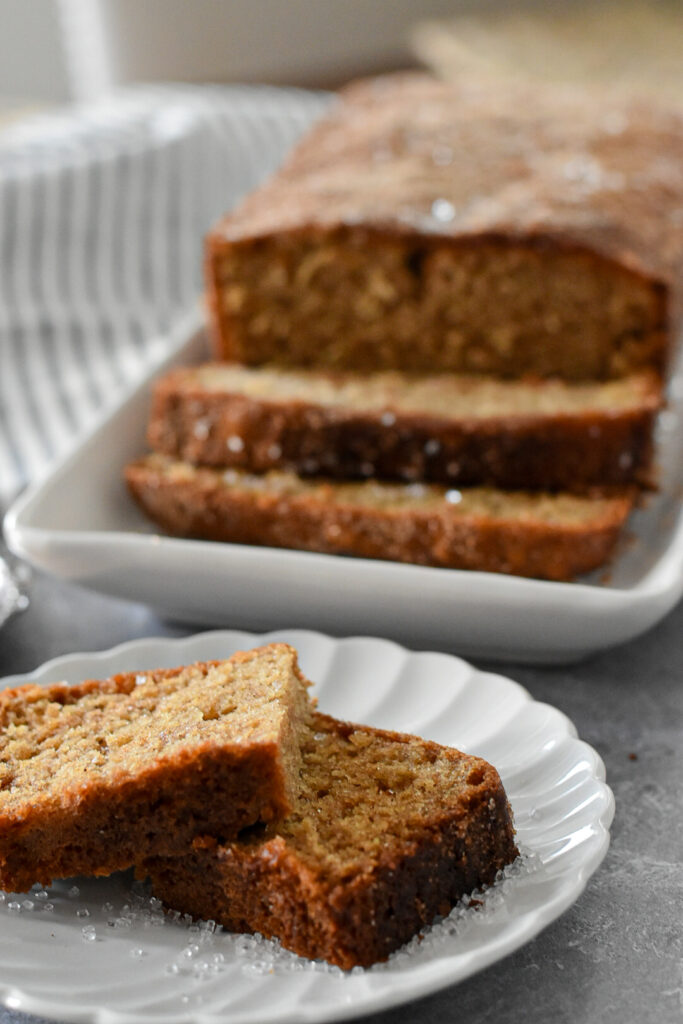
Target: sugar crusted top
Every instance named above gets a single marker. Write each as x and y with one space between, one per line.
409 154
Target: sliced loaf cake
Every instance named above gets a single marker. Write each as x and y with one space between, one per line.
428 226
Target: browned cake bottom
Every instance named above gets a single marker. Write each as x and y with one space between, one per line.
550 536
94 776
389 832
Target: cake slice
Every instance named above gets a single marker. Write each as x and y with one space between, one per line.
443 428
388 832
94 776
426 226
551 536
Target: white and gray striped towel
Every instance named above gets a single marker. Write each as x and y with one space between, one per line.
102 213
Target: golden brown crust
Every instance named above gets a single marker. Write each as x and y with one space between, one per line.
515 182
101 817
199 503
360 911
561 450
554 189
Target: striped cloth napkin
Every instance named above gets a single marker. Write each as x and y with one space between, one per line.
102 213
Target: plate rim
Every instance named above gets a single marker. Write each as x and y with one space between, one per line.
405 988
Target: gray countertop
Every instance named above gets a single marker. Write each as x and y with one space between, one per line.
616 956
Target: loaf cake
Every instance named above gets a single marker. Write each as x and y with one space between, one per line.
94 776
427 226
551 536
388 832
444 428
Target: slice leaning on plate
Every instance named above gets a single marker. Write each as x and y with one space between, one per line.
94 776
550 536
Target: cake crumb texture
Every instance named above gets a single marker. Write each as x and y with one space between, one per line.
388 832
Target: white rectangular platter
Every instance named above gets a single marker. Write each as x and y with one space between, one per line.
80 524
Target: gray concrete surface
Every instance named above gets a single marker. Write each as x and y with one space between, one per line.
616 957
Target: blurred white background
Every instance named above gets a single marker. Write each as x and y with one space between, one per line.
32 63
52 50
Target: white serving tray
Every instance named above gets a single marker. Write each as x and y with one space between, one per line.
80 524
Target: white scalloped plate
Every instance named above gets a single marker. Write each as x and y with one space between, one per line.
562 807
